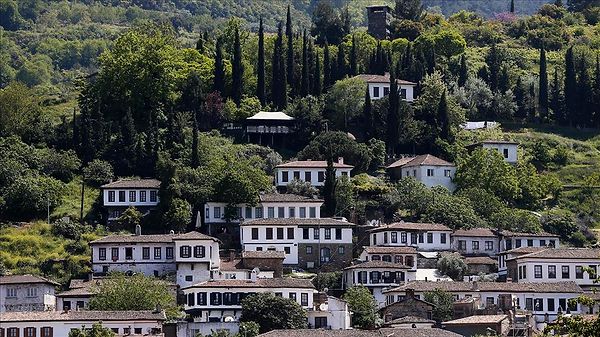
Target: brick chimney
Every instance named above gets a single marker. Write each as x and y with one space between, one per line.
340 160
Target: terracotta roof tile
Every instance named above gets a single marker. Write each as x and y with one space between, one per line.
480 260
133 183
383 332
312 164
412 226
377 265
83 315
285 197
265 254
409 320
563 253
421 160
477 319
390 250
193 235
375 78
22 279
296 221
451 286
540 234
259 283
132 238
475 232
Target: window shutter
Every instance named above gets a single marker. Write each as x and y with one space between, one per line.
181 251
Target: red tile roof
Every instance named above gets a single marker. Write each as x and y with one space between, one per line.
133 183
378 265
25 279
374 78
297 222
312 164
390 250
412 226
259 283
421 160
475 232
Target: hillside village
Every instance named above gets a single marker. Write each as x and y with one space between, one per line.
318 168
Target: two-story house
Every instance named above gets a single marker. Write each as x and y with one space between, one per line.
307 242
579 265
379 86
26 293
475 241
142 194
401 255
377 276
312 171
428 169
508 149
422 236
196 257
270 128
503 256
511 240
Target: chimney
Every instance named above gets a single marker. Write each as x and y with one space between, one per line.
340 160
138 230
254 275
231 254
410 293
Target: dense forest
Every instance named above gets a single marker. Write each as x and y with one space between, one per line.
94 90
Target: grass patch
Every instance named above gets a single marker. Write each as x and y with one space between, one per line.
71 202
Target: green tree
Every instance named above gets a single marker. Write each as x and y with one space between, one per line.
329 281
130 218
408 9
97 330
443 302
304 87
344 100
20 112
237 70
273 312
327 76
353 58
260 83
136 292
341 66
98 172
178 215
463 74
326 23
453 266
329 188
556 103
570 89
393 117
363 305
290 62
249 329
219 70
278 80
9 15
543 86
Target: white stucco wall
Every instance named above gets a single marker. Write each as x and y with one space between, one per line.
378 239
314 175
441 175
43 300
209 210
386 86
482 241
511 157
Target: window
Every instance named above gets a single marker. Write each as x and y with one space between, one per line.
489 302
421 238
284 176
191 300
529 243
413 238
142 196
304 299
229 298
127 331
46 331
305 234
462 245
578 272
562 304
303 212
137 331
375 92
308 250
316 233
169 252
248 213
551 271
111 196
341 250
153 196
475 245
538 304
254 233
201 298
394 237
447 173
321 176
307 176
517 243
403 93
185 251
297 175
442 237
505 152
429 237
114 252
217 212
344 174
385 238
593 271
279 233
270 212
327 233
403 237
128 253
215 298
29 332
312 212
146 253
269 233
258 212
414 173
157 253
281 212
121 196
489 245
287 250
102 254
537 271
131 196
565 272
376 258
290 233
199 251
11 292
292 296
325 254
12 332
292 212
542 243
386 91
551 304
430 172
529 304
207 215
338 233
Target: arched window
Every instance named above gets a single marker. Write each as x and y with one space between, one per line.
325 254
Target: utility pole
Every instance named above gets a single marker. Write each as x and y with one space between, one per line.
48 207
82 198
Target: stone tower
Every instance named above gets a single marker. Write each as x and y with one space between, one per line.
379 21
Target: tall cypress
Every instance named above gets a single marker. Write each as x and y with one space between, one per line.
327 80
543 86
260 83
531 109
504 80
195 157
353 58
596 96
393 119
556 100
570 88
520 98
341 63
329 187
585 109
304 87
443 120
317 84
278 80
219 81
512 6
368 116
463 73
289 33
493 62
237 70
200 44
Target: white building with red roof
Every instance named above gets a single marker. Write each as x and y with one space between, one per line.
312 171
422 236
379 86
426 168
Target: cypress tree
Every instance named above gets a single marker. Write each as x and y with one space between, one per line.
237 70
368 115
484 74
442 118
278 84
327 81
304 87
531 102
504 80
585 109
596 97
341 63
512 6
521 99
570 88
463 73
75 139
260 83
329 187
200 44
353 58
289 33
317 85
393 120
219 81
493 62
543 86
128 141
556 100
195 157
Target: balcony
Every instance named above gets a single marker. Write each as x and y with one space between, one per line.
267 129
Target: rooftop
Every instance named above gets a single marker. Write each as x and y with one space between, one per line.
193 235
412 226
312 164
133 183
152 238
285 197
409 320
509 287
480 260
296 221
491 141
389 250
374 78
377 265
421 160
274 283
271 115
562 253
25 279
522 250
475 232
477 319
521 234
265 254
83 315
383 332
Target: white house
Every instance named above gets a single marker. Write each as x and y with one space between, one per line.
26 293
306 242
157 255
312 171
541 299
269 128
329 313
475 241
503 256
508 149
510 240
556 265
428 169
422 236
401 255
60 323
117 196
379 86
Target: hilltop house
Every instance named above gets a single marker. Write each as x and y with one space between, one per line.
377 276
508 149
26 293
312 171
430 170
475 241
422 236
142 194
269 128
379 86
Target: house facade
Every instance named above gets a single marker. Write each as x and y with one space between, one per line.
430 170
406 256
476 241
422 236
312 171
511 240
509 254
269 128
377 276
26 293
307 243
379 86
509 150
142 194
